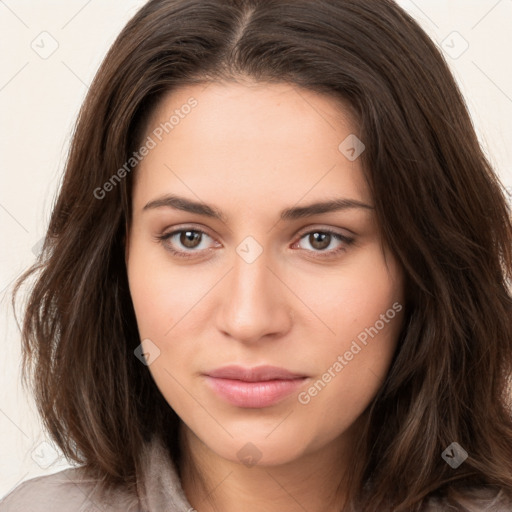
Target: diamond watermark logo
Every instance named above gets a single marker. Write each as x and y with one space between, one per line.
45 455
249 249
454 455
45 45
454 45
249 455
352 147
147 352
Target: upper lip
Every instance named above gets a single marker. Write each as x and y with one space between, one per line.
255 374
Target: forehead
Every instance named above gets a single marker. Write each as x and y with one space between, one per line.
249 142
241 111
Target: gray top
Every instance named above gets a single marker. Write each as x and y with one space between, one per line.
158 490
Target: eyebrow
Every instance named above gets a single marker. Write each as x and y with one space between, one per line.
294 213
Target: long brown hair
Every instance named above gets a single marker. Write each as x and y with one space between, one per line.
440 207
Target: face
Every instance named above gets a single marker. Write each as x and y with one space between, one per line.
250 277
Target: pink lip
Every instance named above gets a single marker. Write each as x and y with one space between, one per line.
256 387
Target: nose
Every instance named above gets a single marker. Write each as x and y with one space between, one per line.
254 301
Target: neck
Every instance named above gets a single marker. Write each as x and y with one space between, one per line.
315 481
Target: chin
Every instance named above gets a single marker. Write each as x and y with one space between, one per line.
260 449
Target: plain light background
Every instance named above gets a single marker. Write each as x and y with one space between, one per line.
50 52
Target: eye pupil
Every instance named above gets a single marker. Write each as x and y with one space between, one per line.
322 238
187 238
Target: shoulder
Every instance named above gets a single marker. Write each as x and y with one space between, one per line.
472 499
65 491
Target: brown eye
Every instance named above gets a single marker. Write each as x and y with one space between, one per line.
319 240
189 239
185 243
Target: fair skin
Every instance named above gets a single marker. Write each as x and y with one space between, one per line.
250 151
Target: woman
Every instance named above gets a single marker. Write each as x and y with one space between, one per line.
277 273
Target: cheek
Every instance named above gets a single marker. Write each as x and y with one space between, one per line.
352 375
355 297
166 301
160 299
161 293
362 311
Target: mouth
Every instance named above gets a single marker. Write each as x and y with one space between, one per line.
256 387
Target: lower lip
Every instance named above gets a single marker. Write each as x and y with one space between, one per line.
254 394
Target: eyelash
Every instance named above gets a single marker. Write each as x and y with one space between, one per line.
321 254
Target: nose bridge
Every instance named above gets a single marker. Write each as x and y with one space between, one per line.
250 280
252 303
250 275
